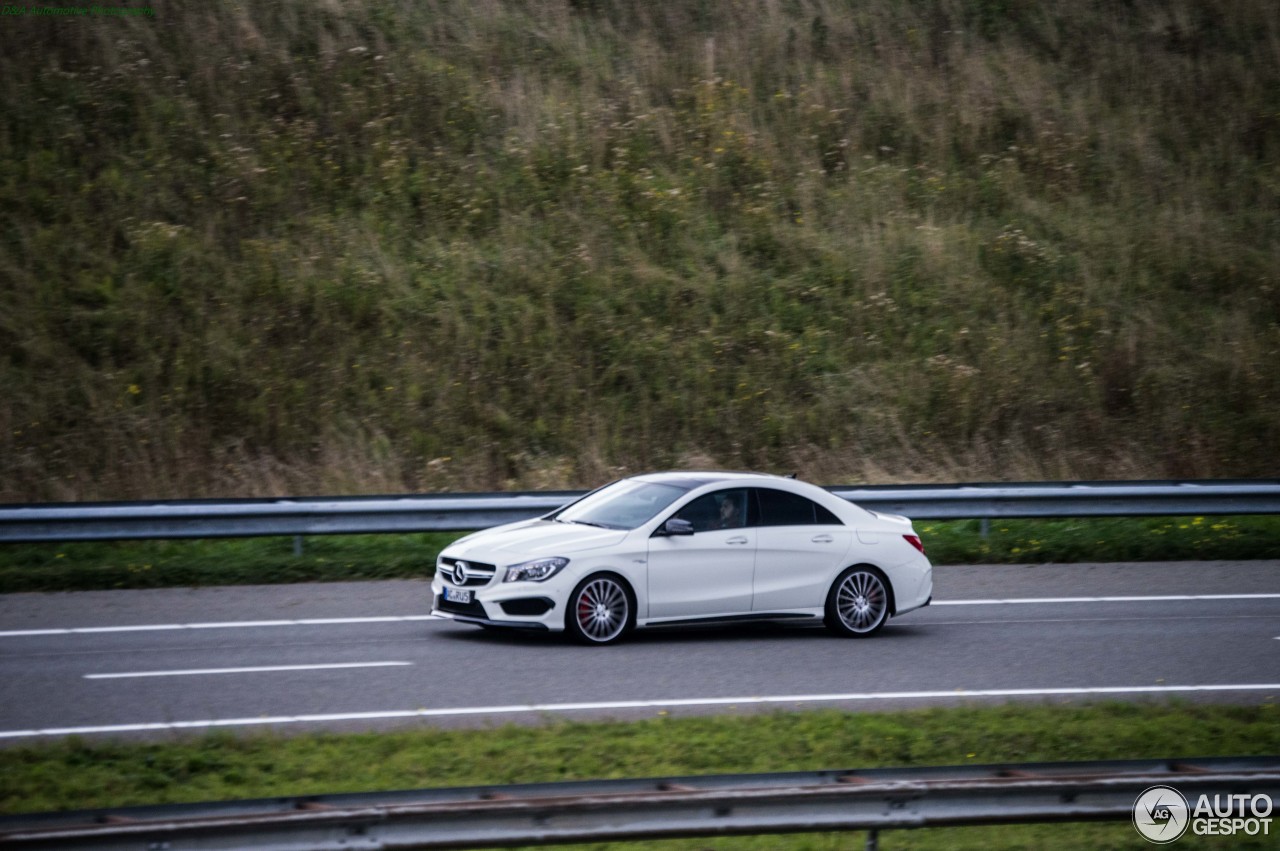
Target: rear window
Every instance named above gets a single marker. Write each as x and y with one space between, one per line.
780 508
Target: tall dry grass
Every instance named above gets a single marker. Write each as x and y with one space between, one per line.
378 246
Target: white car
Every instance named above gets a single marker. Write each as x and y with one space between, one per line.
684 548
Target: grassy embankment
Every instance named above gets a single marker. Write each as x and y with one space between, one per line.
86 774
289 248
158 564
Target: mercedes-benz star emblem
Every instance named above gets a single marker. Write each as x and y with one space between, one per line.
460 572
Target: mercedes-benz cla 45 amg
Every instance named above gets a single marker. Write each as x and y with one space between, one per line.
682 548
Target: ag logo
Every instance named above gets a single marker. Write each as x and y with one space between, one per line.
1161 814
460 572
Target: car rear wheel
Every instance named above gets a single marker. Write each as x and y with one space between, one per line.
858 603
600 610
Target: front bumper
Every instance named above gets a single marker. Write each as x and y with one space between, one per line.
477 614
517 605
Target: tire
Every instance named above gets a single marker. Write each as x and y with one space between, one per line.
601 610
858 603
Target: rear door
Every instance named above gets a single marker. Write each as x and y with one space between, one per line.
800 546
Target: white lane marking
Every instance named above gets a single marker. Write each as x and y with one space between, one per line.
90 630
631 704
195 672
1117 620
1163 598
162 627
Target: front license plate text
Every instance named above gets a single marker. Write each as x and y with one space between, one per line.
457 595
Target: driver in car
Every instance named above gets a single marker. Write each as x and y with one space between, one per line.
730 516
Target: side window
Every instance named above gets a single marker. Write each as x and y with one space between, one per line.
779 508
823 517
719 510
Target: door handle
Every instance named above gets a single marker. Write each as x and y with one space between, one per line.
738 540
822 539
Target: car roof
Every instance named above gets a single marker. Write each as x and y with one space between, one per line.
691 479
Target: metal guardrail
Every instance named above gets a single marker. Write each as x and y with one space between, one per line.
620 810
458 512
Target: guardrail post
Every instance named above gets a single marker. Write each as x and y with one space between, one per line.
297 546
873 840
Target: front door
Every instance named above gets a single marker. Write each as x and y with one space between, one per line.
710 572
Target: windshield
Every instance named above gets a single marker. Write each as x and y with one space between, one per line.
621 505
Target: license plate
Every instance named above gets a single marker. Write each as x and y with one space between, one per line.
457 595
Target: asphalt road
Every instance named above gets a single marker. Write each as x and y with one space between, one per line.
367 656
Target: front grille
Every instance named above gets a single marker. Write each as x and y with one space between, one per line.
477 573
472 609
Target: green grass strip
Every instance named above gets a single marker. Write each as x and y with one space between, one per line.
1095 539
102 565
80 773
256 561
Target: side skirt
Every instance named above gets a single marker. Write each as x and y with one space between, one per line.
714 619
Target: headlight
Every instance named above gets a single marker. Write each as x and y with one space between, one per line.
535 571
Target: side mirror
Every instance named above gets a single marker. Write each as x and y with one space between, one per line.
676 526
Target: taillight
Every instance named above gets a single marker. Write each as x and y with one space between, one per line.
914 540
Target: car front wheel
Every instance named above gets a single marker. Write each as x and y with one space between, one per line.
600 610
858 603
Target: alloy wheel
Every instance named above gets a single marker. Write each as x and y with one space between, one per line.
601 610
861 602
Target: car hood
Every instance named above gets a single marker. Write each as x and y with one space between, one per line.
532 539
